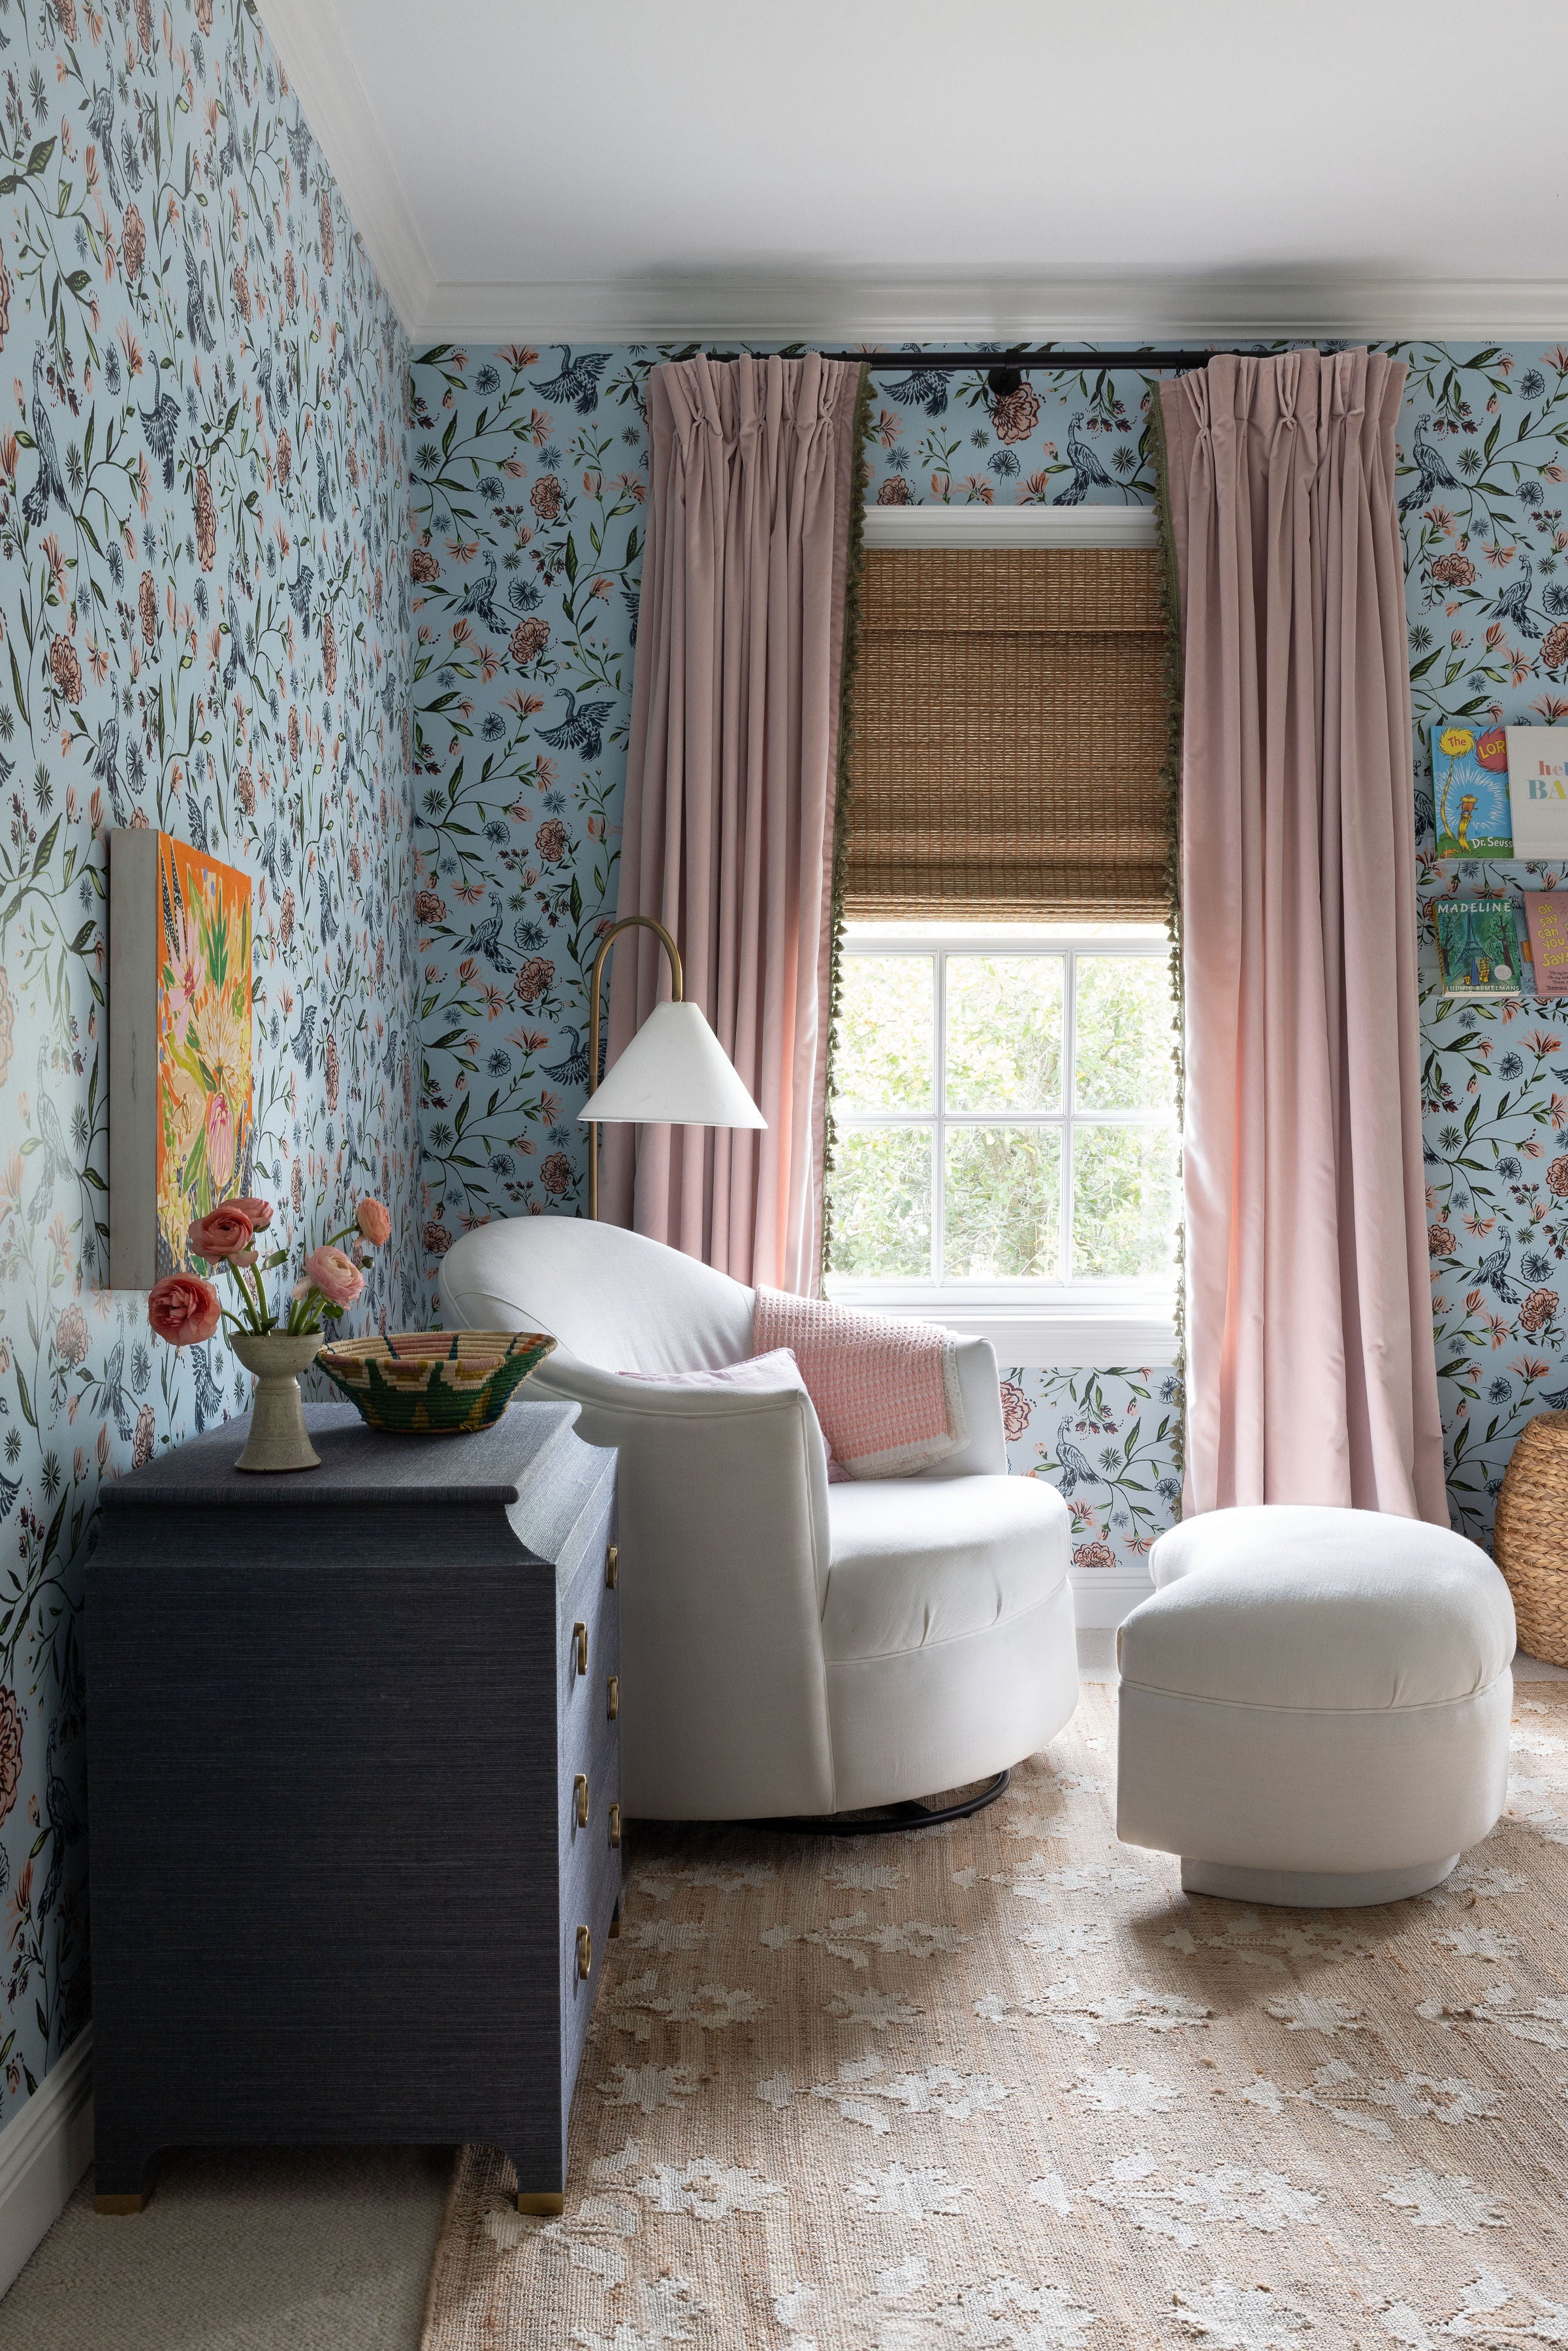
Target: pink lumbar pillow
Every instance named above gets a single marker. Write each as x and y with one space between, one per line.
774 1371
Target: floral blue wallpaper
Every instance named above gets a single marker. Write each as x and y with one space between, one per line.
202 627
527 475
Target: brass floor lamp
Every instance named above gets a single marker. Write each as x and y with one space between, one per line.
675 1072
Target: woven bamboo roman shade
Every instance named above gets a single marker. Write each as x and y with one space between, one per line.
1010 738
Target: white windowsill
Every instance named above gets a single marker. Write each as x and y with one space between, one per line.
1043 1334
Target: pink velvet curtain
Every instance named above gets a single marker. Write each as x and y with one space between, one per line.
727 836
1310 1371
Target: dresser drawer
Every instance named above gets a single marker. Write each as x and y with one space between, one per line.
590 1889
587 1663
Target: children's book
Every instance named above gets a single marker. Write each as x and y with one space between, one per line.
1479 949
1538 789
1469 788
1546 913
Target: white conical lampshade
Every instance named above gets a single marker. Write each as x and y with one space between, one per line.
674 1072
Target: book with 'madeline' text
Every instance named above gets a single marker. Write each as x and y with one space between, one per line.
1479 949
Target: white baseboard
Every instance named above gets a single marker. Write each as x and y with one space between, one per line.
1105 1600
44 2150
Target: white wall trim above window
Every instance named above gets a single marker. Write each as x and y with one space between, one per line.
993 526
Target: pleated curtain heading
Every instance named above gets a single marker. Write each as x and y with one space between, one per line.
1009 759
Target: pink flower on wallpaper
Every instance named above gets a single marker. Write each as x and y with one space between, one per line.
1017 1409
1094 1555
1015 413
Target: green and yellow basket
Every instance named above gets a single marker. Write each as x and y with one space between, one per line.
433 1383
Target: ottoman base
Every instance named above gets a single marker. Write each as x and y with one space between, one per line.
1313 1889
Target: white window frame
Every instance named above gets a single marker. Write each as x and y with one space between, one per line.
1035 1323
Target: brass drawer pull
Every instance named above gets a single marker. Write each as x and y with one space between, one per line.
615 1824
584 1952
579 1638
580 1790
613 1566
612 1696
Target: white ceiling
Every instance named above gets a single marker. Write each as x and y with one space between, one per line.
643 169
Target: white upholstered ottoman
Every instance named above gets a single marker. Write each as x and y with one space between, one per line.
1315 1704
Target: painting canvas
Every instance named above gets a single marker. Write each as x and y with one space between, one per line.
181 1119
1469 788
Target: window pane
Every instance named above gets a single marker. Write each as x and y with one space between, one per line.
882 1054
1004 1032
1002 1204
1124 1036
881 1194
1123 1203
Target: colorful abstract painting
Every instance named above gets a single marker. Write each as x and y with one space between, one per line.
205 1128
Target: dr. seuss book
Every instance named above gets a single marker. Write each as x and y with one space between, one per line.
1479 947
1538 789
1546 913
1469 788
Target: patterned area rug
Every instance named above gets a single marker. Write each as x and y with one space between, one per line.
1003 2083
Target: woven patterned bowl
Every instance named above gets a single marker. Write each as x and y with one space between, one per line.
1530 1540
433 1383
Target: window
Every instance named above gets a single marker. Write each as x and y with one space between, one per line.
1004 1109
1004 1090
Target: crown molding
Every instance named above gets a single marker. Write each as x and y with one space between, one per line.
315 56
898 308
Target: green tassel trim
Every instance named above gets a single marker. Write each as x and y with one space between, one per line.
860 474
1171 780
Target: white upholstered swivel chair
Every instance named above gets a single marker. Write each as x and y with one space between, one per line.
786 1647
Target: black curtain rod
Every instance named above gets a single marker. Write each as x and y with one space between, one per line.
1067 362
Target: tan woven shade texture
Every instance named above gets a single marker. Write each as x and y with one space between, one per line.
1009 730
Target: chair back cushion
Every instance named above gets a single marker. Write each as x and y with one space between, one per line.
609 1297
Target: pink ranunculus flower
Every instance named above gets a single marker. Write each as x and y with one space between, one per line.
224 1232
373 1222
183 1308
259 1211
334 1273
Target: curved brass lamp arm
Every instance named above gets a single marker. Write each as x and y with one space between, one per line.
677 982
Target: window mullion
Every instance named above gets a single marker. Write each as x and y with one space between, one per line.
939 1131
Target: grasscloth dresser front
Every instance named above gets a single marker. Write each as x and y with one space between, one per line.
355 1788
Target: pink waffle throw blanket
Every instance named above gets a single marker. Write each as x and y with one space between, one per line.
885 1393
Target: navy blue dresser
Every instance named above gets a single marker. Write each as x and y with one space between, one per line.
354 1774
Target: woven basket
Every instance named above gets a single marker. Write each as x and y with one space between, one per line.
1530 1541
433 1383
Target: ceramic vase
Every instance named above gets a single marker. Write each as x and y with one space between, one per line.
278 1437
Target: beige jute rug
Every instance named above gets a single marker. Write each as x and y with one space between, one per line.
1002 2084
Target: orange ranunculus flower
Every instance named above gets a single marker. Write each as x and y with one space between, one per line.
374 1221
222 1233
183 1308
259 1211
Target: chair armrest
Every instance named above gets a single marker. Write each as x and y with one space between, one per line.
984 1452
723 1510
